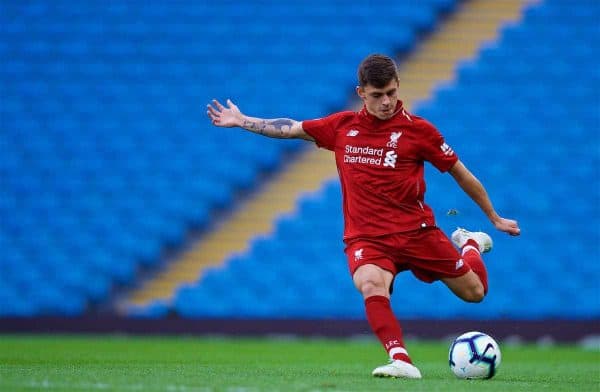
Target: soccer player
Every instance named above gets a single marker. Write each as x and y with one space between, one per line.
380 153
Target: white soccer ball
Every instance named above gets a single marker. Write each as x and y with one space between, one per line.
474 355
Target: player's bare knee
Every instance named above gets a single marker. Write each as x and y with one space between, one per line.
475 294
371 287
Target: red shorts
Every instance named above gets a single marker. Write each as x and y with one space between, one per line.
427 253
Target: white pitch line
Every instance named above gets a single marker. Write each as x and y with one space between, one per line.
101 386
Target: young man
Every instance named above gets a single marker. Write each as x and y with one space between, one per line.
380 154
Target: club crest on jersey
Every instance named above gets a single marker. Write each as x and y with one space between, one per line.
352 133
393 143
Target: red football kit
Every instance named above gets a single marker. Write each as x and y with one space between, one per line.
381 170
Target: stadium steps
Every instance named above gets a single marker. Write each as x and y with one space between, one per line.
254 218
435 60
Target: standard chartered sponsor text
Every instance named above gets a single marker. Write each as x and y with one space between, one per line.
363 155
364 150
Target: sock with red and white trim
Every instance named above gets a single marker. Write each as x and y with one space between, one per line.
386 327
472 256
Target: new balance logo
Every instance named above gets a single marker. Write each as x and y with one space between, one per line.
390 159
459 264
446 149
352 133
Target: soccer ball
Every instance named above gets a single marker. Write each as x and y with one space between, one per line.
474 355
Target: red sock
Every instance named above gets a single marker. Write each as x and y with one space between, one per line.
471 256
385 325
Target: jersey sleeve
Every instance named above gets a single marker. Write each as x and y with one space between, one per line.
323 130
434 148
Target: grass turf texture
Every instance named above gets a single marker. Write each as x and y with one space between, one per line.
177 364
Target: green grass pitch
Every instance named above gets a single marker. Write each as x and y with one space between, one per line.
185 364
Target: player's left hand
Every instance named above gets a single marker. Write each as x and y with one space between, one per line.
508 226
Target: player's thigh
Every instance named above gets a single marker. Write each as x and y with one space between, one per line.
430 255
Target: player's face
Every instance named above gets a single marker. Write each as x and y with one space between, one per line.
380 102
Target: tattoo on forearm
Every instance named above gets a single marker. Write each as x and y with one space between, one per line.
273 128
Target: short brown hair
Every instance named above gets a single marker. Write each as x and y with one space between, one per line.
377 70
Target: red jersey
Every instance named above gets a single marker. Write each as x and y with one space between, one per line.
381 168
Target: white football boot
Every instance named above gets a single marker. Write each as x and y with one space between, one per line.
397 369
461 236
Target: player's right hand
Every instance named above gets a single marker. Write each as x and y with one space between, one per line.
222 116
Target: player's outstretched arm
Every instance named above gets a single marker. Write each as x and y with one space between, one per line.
472 187
231 116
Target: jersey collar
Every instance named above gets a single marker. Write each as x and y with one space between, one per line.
364 113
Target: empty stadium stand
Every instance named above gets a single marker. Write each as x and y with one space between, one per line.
107 161
107 158
519 114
